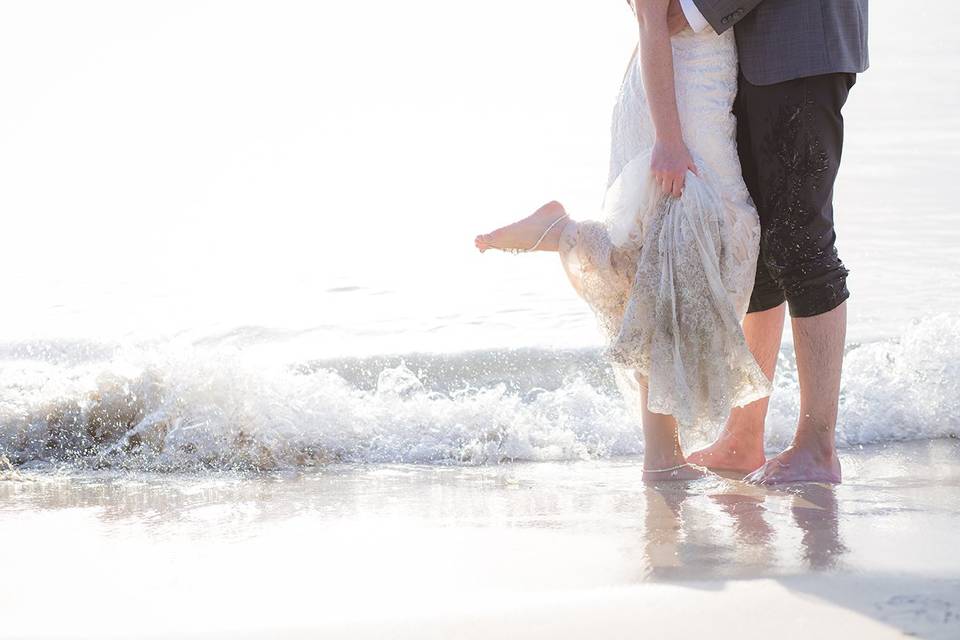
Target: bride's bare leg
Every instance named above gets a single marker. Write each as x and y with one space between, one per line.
661 449
522 234
739 447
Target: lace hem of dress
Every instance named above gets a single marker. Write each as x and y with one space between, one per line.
661 275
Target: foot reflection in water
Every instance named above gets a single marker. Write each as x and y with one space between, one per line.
731 529
815 512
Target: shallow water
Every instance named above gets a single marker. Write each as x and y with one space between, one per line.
240 551
342 250
297 319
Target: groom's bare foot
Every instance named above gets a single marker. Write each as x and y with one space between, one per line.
523 234
685 472
730 453
799 464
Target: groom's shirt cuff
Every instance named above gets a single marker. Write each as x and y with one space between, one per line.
697 22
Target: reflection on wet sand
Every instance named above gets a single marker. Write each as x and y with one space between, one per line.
624 531
402 538
815 512
742 535
716 528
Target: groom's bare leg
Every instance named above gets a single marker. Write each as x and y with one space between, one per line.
791 143
739 447
812 457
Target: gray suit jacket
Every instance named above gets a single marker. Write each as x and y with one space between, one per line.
779 40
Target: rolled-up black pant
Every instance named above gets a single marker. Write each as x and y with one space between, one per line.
790 137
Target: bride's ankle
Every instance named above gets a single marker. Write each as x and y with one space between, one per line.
553 207
655 460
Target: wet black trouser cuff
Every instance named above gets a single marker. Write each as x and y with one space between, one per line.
790 139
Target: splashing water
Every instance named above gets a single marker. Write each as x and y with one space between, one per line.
197 409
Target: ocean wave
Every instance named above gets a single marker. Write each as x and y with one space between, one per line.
197 409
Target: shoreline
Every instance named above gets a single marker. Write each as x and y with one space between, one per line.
560 550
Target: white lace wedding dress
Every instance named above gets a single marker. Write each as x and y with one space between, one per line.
670 279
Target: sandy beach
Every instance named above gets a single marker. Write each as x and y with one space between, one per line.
558 550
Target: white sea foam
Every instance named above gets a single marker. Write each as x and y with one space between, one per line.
905 389
216 409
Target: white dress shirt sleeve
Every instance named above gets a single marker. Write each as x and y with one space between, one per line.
697 22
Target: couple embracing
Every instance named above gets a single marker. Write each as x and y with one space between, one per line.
717 219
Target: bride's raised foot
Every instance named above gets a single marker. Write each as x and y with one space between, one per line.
679 473
539 231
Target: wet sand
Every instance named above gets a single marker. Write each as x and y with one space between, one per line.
558 550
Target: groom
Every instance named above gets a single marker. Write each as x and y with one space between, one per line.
798 61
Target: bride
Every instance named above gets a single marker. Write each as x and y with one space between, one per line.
669 269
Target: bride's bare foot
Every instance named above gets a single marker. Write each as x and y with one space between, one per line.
730 453
682 472
523 234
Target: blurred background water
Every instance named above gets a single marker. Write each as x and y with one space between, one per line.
240 234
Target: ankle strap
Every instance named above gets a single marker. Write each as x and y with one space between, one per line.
676 468
545 232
